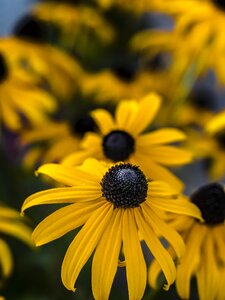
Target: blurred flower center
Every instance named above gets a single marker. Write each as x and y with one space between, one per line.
125 186
220 137
82 125
203 99
3 68
118 145
220 3
210 199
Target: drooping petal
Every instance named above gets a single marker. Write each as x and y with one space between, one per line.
164 229
148 108
62 221
63 195
105 260
160 136
159 252
67 175
135 263
104 120
178 206
84 244
190 261
6 260
208 276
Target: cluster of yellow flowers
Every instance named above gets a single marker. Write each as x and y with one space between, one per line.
103 103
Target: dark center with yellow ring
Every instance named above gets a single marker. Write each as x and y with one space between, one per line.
210 199
219 3
125 186
118 145
3 68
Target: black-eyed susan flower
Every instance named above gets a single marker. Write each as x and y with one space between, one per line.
59 140
49 66
194 42
205 244
122 139
114 203
11 224
21 97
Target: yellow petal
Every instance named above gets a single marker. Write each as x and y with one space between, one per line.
148 108
165 230
177 206
6 260
67 175
158 251
63 195
158 172
217 123
190 261
125 113
62 221
104 120
168 155
160 136
84 244
135 263
161 189
105 260
208 276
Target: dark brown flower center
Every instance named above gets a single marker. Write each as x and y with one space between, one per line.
210 199
118 145
220 4
220 138
3 68
82 125
125 186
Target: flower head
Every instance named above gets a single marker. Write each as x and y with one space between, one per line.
122 139
205 245
114 203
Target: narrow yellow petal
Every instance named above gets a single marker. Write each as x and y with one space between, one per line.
161 189
67 175
178 206
217 123
84 244
190 261
208 275
169 155
104 120
125 113
135 263
63 195
148 108
62 221
105 260
164 229
6 260
158 251
160 136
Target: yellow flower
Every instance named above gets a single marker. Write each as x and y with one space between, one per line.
52 141
11 224
205 245
20 96
123 139
194 42
114 203
45 63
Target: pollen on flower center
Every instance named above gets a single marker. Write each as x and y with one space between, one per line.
3 68
118 145
125 186
82 125
210 199
219 3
